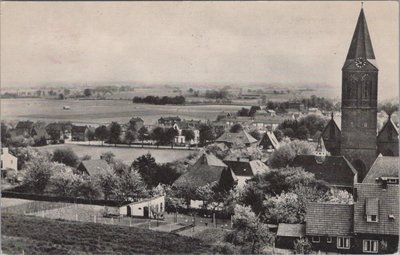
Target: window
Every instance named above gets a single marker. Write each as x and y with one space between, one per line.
365 124
370 246
315 239
329 239
372 218
161 207
343 243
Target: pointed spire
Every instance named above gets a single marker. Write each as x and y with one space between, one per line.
361 46
320 150
331 115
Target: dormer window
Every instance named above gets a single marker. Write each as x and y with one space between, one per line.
391 217
372 209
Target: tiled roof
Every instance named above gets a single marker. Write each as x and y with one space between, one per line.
269 139
206 170
291 230
78 129
383 167
93 166
388 204
389 125
241 137
250 168
329 219
335 170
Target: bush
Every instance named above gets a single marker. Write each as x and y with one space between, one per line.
302 246
66 156
223 248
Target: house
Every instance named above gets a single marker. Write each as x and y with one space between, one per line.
370 225
388 139
92 167
329 227
24 128
136 122
40 132
168 121
184 126
8 161
147 208
246 170
336 171
79 133
208 169
331 136
240 138
288 233
64 128
268 142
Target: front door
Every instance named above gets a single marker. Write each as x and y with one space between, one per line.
146 212
128 211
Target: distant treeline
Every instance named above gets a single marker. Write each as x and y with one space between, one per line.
159 100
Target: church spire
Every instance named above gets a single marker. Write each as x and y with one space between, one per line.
361 46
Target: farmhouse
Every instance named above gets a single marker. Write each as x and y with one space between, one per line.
79 133
40 133
207 170
184 126
148 208
24 128
92 167
246 170
240 138
268 142
168 121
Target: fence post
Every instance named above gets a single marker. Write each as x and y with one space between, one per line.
94 218
130 222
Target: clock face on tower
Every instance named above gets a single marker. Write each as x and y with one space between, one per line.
360 62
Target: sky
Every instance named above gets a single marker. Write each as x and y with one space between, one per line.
227 43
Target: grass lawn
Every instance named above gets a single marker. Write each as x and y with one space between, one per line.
42 236
128 155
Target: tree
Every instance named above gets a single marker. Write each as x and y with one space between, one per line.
278 134
61 96
91 134
248 231
243 112
313 123
20 141
236 128
146 167
37 173
87 92
130 136
106 181
108 156
254 133
206 134
167 173
158 135
189 135
54 133
143 134
288 150
64 183
102 133
130 187
115 132
5 133
66 156
170 135
389 108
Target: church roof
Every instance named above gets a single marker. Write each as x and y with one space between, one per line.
361 46
383 167
389 124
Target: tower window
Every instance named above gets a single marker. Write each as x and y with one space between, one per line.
365 124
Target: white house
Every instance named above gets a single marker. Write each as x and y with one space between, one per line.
8 161
146 208
187 125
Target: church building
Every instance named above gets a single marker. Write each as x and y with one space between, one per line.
357 139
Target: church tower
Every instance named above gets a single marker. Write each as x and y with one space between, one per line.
359 101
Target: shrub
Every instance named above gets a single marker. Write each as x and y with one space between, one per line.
302 246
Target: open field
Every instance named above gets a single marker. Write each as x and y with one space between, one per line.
126 154
34 235
103 111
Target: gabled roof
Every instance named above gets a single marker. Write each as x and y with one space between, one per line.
24 124
40 132
329 219
370 196
389 125
93 166
241 137
78 129
136 119
206 170
244 153
383 167
269 138
335 170
170 118
250 168
291 230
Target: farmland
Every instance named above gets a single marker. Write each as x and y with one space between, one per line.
125 154
42 236
103 111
